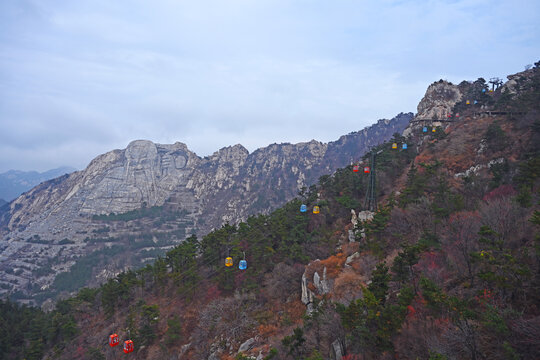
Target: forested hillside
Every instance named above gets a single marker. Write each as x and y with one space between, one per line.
448 267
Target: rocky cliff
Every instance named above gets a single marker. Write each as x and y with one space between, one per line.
77 214
437 104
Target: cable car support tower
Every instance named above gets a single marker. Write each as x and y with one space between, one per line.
370 202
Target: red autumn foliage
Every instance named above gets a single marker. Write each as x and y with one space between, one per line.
352 357
212 293
500 192
411 311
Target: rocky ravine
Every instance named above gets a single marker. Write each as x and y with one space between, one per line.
54 219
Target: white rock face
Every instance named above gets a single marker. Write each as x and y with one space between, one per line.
354 218
476 168
365 215
337 349
437 103
248 344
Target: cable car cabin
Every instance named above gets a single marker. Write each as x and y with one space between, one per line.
468 102
316 209
366 170
228 261
128 346
303 208
483 90
449 115
394 146
424 129
113 340
475 102
242 265
434 129
457 115
404 146
355 168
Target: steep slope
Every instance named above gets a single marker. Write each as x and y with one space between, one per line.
142 200
447 268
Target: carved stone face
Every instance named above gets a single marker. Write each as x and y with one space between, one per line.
180 159
140 151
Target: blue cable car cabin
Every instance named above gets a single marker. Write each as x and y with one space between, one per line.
424 129
242 265
303 208
404 146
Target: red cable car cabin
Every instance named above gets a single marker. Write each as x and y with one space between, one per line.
366 170
128 346
113 340
355 168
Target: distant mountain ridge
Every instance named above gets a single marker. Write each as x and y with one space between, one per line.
15 182
63 218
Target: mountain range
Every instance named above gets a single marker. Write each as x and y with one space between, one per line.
14 182
447 267
131 205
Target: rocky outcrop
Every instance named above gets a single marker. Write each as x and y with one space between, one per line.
437 104
519 82
246 345
321 286
438 101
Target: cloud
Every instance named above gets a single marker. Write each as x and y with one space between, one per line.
214 73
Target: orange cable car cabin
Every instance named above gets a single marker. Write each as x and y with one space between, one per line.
128 346
113 340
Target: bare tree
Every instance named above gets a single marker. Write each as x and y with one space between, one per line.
460 240
505 217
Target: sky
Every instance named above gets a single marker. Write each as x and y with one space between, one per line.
80 78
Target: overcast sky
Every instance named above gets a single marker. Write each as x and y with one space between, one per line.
80 78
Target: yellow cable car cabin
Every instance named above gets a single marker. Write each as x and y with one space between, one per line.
228 261
394 146
434 129
316 209
468 102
